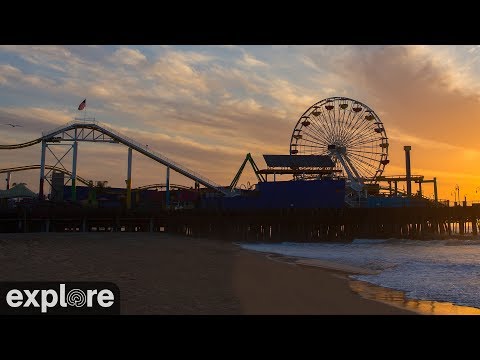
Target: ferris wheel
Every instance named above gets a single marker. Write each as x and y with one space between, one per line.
348 131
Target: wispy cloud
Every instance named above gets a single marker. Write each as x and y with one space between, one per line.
251 61
128 56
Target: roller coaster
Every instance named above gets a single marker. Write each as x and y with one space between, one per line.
90 130
89 182
37 167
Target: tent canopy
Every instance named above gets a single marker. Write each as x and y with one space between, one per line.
18 191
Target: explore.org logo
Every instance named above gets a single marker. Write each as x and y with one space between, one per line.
59 298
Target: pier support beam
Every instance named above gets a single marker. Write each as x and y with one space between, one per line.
167 192
42 170
129 179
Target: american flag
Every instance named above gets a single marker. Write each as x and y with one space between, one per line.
82 105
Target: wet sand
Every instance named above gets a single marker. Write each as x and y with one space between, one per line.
165 274
398 298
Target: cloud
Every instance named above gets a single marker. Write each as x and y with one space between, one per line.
44 55
13 76
128 56
399 135
177 71
251 61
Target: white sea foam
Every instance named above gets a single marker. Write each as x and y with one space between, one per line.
440 270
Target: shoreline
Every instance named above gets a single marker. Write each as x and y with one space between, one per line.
398 299
164 274
388 296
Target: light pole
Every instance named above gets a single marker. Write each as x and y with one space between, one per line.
458 191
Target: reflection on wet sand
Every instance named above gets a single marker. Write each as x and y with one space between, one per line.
397 298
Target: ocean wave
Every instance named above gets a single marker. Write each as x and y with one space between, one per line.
440 270
369 241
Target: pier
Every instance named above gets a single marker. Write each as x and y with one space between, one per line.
311 225
337 196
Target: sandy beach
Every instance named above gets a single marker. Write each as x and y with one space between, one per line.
164 274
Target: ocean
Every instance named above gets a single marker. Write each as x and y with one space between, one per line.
436 270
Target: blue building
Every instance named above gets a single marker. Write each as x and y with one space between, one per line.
299 194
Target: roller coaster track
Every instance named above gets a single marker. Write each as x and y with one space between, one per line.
125 140
156 186
86 182
22 145
36 167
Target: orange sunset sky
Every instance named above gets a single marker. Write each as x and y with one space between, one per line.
205 107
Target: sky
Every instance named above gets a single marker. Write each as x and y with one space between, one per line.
206 107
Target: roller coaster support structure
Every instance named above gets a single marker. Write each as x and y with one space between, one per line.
167 193
129 179
259 176
74 168
87 129
42 169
